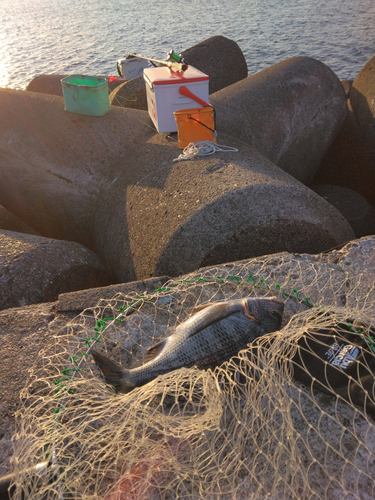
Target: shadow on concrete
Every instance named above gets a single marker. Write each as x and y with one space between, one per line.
349 161
364 115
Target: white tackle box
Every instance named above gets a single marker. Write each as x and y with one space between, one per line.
131 67
167 91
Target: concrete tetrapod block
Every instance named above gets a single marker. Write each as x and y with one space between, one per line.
51 84
290 112
219 57
224 207
362 97
34 269
347 84
25 331
353 206
130 94
111 181
349 161
11 222
57 167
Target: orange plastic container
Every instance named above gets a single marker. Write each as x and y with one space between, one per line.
196 124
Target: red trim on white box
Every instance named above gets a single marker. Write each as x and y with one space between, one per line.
166 76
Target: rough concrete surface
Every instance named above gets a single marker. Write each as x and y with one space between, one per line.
82 299
110 183
349 161
221 59
347 84
57 168
362 96
24 331
11 222
353 206
34 269
51 84
290 112
224 207
218 57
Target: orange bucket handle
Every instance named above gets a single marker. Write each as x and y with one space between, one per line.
187 93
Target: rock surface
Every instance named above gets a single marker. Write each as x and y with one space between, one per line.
290 112
347 84
220 58
74 176
362 97
228 206
58 167
34 269
51 84
353 206
130 94
23 331
349 161
83 299
120 194
11 222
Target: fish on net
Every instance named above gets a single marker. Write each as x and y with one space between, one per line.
290 416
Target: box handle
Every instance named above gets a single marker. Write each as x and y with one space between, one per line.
148 81
186 92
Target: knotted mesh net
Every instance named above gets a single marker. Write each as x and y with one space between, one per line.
290 417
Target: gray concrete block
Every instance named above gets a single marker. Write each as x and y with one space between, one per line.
110 183
226 207
362 97
11 222
290 112
34 269
57 167
349 161
51 84
347 84
130 94
220 58
353 206
82 299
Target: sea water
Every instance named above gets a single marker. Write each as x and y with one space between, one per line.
89 36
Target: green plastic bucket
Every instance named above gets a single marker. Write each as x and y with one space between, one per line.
87 95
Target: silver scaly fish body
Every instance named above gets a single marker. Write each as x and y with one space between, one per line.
208 338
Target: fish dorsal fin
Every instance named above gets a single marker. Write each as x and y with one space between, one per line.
196 309
153 351
219 311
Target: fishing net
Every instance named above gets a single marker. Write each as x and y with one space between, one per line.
245 430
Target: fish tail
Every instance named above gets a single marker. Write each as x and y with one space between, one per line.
113 372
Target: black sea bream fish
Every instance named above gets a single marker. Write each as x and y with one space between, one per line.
211 336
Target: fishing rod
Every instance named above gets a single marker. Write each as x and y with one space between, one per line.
179 65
